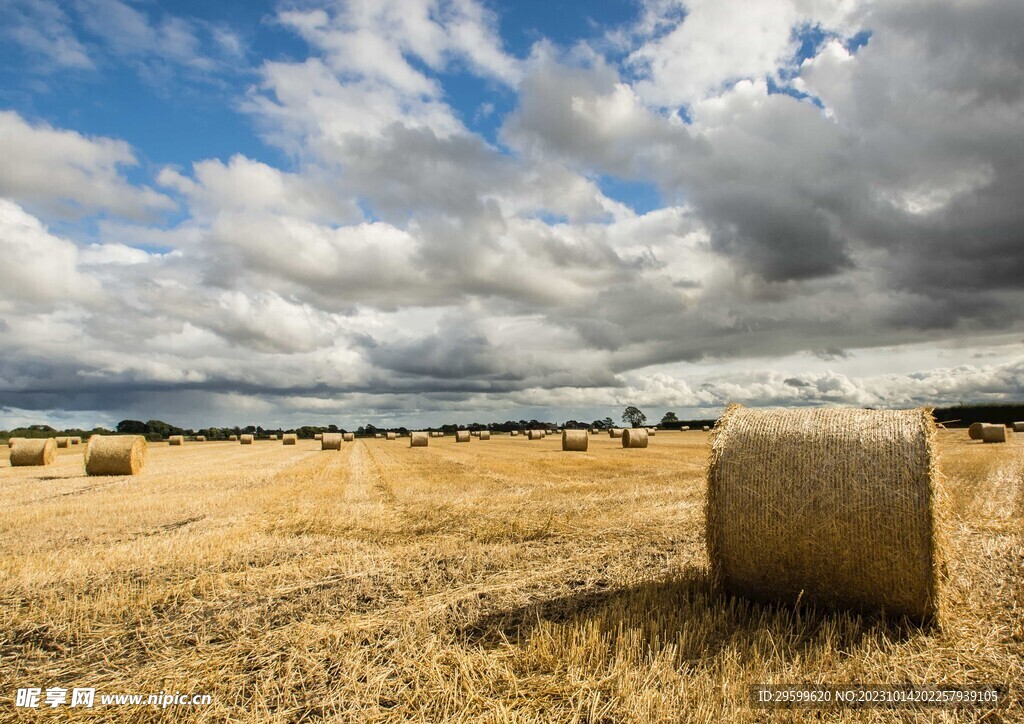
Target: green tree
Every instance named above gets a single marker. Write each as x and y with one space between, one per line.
633 417
669 419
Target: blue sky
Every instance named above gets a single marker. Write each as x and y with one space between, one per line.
409 211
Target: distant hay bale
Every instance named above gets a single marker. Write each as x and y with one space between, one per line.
684 427
993 433
377 436
595 431
575 440
1018 427
330 441
33 451
652 431
462 436
245 439
318 436
77 440
615 432
271 437
514 433
974 431
706 428
634 437
62 441
348 436
176 440
116 455
535 435
289 438
390 436
485 435
830 506
200 438
233 438
419 439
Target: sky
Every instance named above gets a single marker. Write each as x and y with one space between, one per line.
408 212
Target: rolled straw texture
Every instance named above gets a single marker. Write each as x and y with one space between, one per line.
575 440
993 433
485 435
289 438
116 455
62 441
419 439
318 436
330 441
200 438
1018 427
33 451
348 436
634 437
514 433
830 506
233 438
176 440
391 436
615 432
245 439
535 435
462 436
974 431
76 440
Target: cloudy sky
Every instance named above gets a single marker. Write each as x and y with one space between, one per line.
414 211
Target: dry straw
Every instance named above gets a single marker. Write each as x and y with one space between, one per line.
330 441
245 439
75 440
485 435
974 431
535 435
115 455
634 437
652 431
33 451
706 428
462 436
391 436
62 441
993 433
289 438
831 506
377 436
1018 427
12 440
199 438
419 439
684 427
575 440
271 437
176 440
514 433
348 437
615 432
233 438
318 436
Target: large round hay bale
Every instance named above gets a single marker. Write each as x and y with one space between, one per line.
485 435
245 439
595 431
575 440
62 441
419 439
348 436
514 433
535 435
12 440
390 436
634 437
330 441
289 438
115 455
652 431
272 437
176 440
33 451
462 436
76 440
1018 427
993 433
615 432
974 431
829 506
318 436
200 438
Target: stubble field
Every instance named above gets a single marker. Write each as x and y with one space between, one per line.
499 580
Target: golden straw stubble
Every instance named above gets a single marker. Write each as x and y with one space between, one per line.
831 506
115 455
33 451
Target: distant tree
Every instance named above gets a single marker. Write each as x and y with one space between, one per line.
669 419
633 417
132 427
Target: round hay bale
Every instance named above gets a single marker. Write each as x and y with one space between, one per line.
993 433
330 441
233 438
12 440
33 452
116 455
684 427
200 438
652 431
634 437
485 435
348 436
76 440
62 441
245 439
318 436
615 432
1018 427
830 506
176 440
377 436
575 440
272 437
289 438
462 436
419 439
514 433
535 435
706 428
974 431
595 431
391 436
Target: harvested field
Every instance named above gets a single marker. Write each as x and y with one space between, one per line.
506 581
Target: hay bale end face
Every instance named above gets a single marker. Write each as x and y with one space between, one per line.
245 439
993 433
348 437
62 441
330 441
535 435
176 440
575 440
116 455
974 431
318 436
514 433
419 439
615 432
829 506
462 436
233 438
33 451
76 440
289 438
485 435
391 436
634 437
